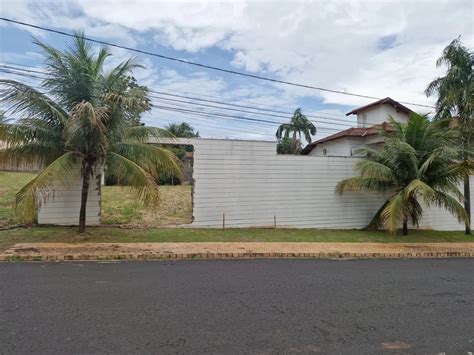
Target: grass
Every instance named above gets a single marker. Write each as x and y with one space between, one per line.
10 184
160 235
119 207
118 204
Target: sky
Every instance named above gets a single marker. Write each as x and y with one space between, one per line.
375 48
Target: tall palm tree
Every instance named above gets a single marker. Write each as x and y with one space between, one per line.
299 124
417 163
79 121
455 93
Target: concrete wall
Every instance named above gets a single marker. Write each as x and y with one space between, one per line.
62 205
379 114
249 184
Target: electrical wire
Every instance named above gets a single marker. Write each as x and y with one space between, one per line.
206 66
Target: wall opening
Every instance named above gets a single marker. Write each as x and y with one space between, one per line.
176 207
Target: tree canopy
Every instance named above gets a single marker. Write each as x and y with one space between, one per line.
418 163
298 125
83 118
455 100
182 130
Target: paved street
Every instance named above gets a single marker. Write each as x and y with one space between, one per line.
231 306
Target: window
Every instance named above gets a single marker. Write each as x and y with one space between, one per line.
325 151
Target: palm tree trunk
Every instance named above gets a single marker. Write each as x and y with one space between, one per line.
405 227
467 204
87 170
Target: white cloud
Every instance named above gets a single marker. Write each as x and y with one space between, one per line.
323 44
326 44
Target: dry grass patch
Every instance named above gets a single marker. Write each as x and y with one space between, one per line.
119 207
118 204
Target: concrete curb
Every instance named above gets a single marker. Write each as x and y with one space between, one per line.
154 251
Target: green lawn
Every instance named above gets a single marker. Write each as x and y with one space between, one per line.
142 225
10 184
122 235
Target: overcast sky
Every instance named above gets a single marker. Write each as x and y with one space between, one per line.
376 48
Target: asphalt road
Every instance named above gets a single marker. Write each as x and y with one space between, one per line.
248 306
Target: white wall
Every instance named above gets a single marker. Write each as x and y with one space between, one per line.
379 114
249 183
61 206
8 165
339 147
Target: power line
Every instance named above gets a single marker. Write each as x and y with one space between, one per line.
180 96
213 114
330 120
174 90
219 115
206 66
203 100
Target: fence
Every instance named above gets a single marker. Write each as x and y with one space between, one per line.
246 184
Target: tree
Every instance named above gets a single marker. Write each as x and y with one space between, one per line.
286 146
182 130
299 124
80 121
3 118
418 162
455 93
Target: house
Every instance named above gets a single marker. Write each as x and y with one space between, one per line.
370 119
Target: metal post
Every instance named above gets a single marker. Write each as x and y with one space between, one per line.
274 222
223 221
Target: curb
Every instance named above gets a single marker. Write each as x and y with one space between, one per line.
178 256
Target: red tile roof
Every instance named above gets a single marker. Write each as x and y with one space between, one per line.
389 101
351 132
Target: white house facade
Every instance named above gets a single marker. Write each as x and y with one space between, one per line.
370 119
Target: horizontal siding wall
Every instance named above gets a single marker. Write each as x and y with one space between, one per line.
61 206
253 186
23 167
249 185
439 219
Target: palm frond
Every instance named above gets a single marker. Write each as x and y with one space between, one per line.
30 153
376 222
416 188
137 179
395 212
26 101
86 130
451 204
151 158
146 134
363 184
374 169
60 173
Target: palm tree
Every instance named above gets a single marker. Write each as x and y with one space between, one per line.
3 118
80 120
182 130
455 93
299 124
417 163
